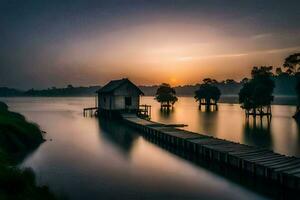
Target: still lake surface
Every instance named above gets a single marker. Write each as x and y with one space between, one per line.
84 158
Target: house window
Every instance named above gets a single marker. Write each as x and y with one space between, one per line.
128 101
104 99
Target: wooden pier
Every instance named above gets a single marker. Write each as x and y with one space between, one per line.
256 161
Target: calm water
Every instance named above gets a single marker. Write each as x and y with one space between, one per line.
89 159
281 135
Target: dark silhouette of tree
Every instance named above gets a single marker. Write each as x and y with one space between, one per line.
70 86
208 93
210 81
166 95
244 80
279 71
230 81
257 93
292 63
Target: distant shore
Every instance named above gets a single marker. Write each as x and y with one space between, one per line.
230 99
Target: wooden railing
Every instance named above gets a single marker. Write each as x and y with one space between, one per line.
144 111
90 111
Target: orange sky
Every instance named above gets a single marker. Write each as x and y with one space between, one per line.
177 53
56 43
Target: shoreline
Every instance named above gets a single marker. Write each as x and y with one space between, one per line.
18 138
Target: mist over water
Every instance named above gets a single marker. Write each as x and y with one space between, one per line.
87 158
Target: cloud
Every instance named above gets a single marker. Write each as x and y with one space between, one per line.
189 58
268 51
279 50
261 36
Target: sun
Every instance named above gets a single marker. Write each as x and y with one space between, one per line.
173 81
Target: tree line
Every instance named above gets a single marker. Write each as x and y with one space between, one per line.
228 87
255 94
51 92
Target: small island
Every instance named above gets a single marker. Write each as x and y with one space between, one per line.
166 96
208 94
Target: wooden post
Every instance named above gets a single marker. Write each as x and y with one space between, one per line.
96 100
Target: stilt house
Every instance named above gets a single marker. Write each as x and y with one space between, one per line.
119 96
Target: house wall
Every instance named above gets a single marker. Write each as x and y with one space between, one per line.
104 101
126 90
119 102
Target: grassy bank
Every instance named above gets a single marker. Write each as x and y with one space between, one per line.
17 138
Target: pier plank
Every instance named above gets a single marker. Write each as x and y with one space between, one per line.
267 158
264 156
293 171
274 162
265 161
286 166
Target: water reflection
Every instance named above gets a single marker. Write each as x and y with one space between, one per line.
228 122
117 134
166 113
208 120
211 108
258 133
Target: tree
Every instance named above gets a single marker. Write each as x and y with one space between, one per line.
207 92
279 71
210 81
245 80
256 94
292 63
166 95
230 81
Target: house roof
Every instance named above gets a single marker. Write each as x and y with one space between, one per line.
114 84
